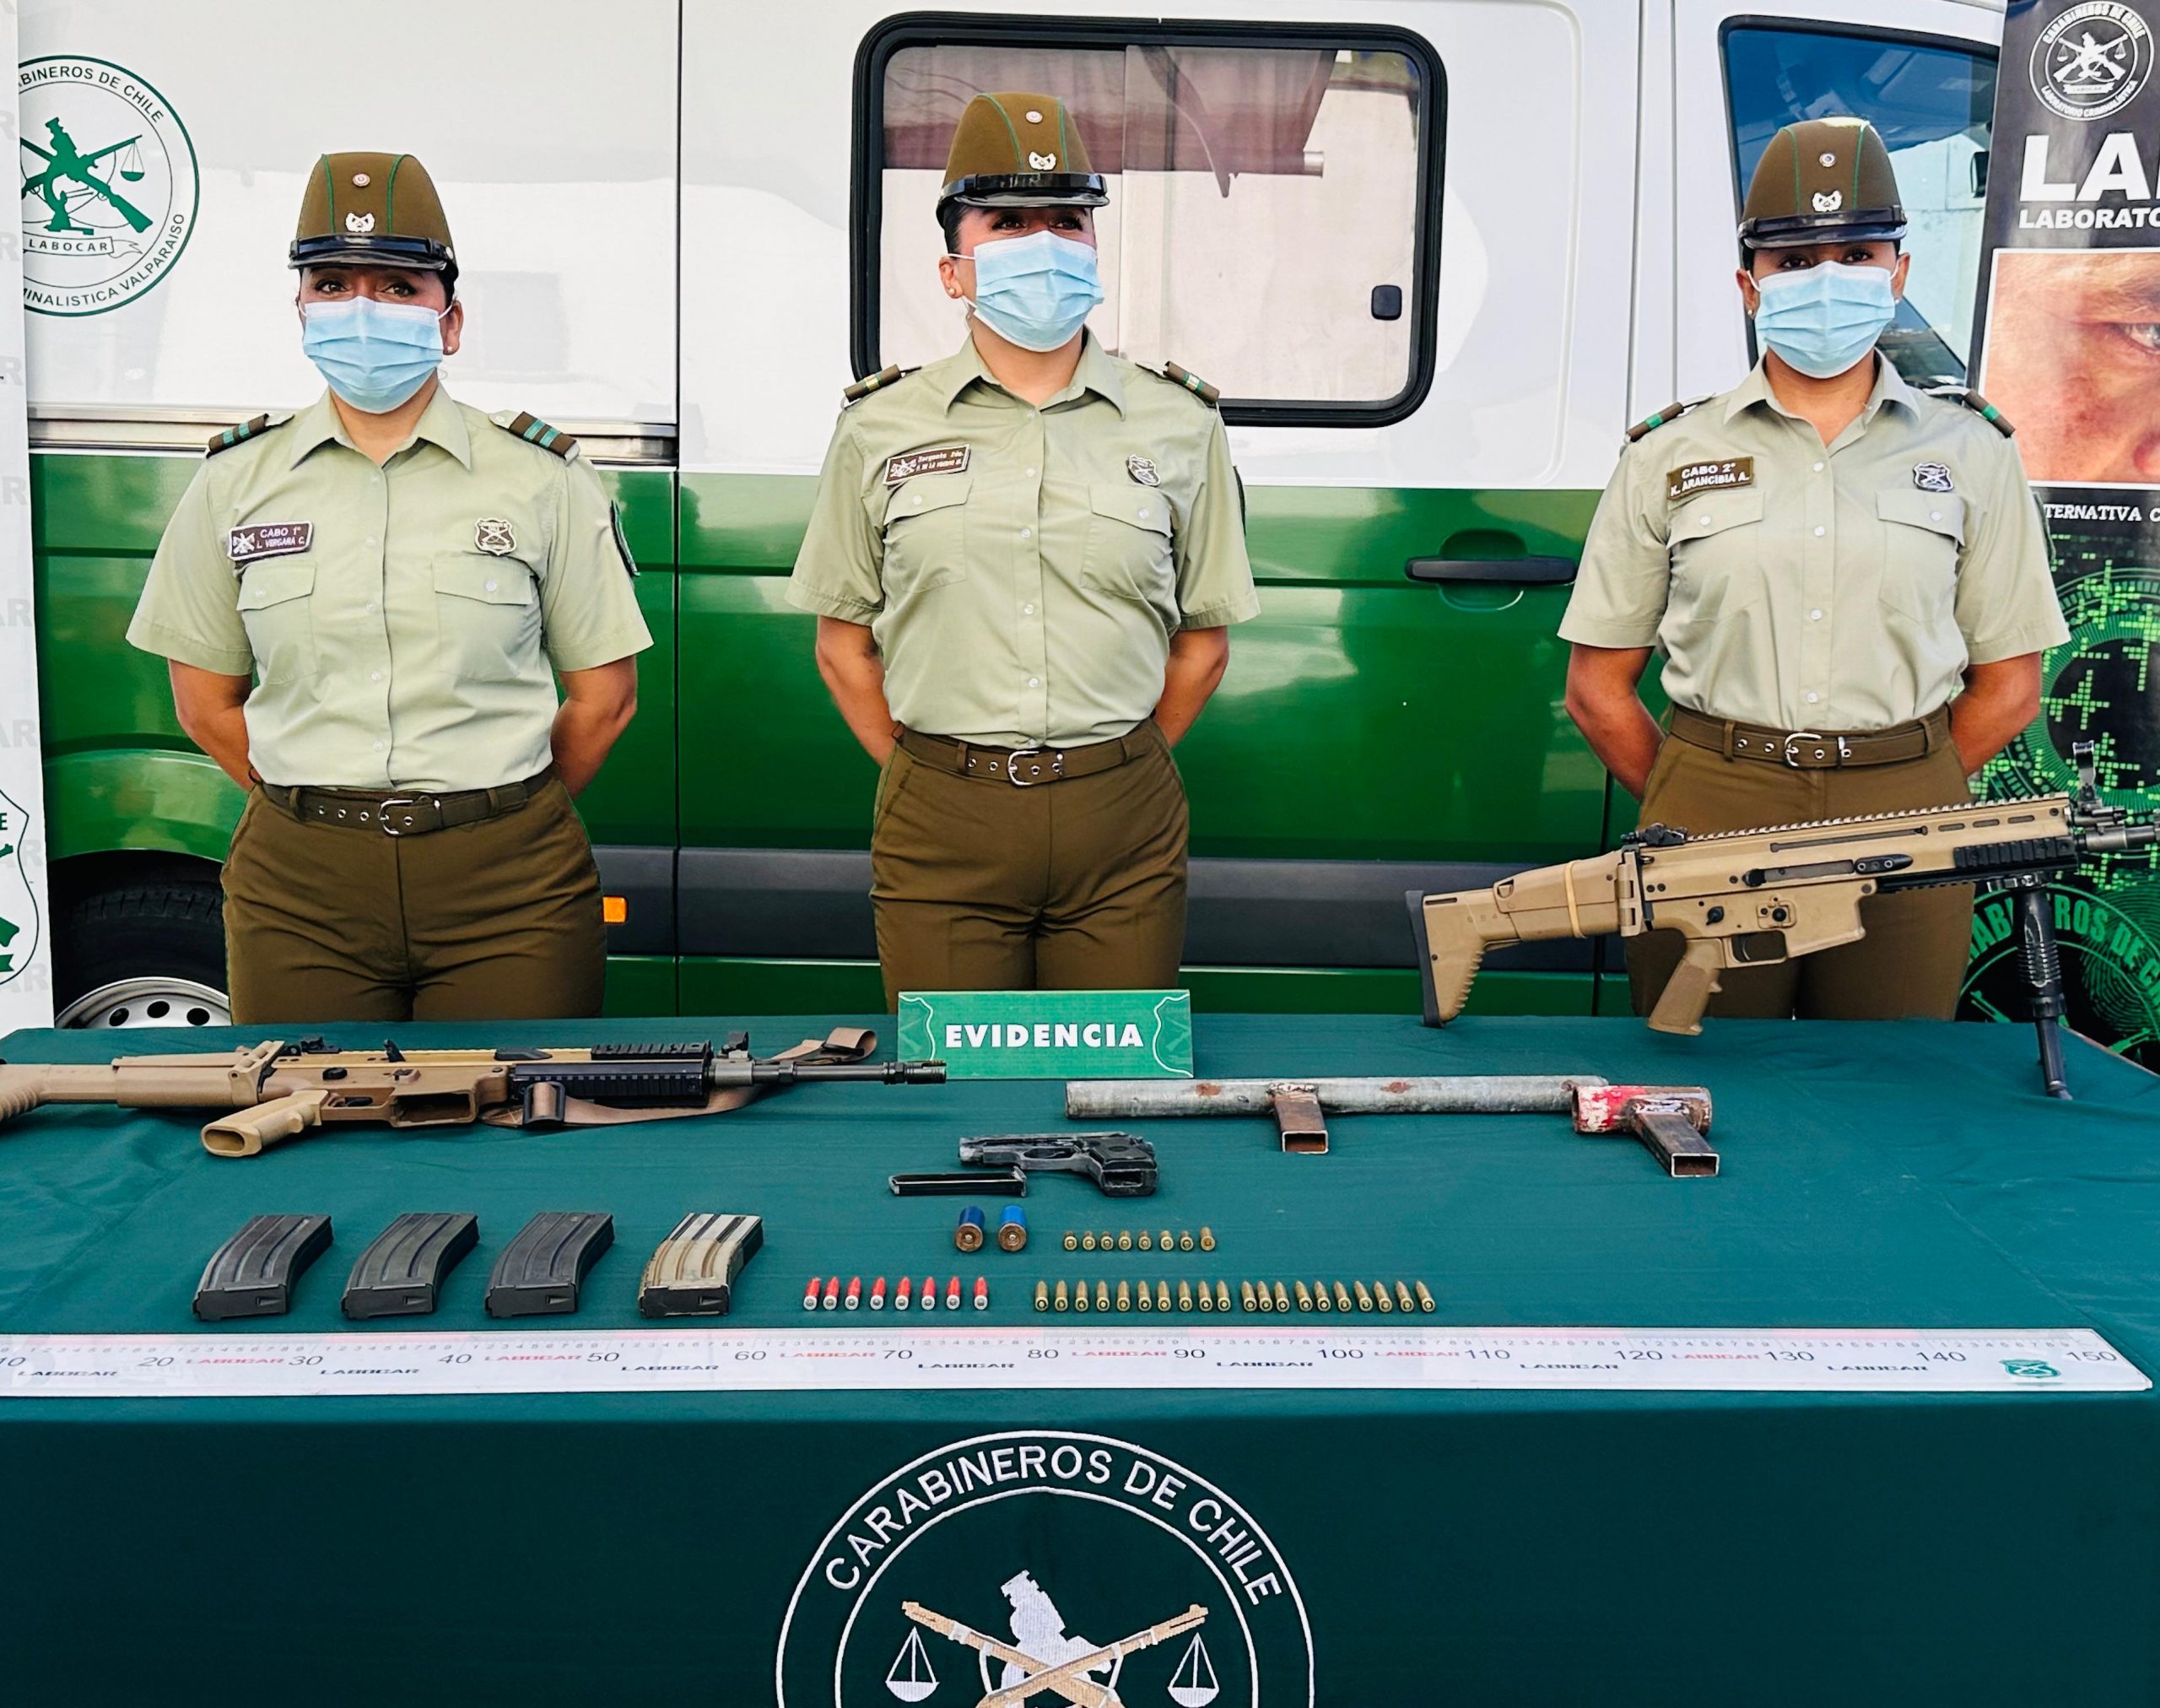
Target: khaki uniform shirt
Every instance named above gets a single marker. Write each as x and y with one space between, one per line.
400 621
1839 589
1023 569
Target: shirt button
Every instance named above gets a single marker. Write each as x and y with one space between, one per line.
491 586
1935 516
1143 513
1812 698
1027 610
1027 533
1818 468
1818 533
370 608
371 539
917 498
1814 616
1031 474
378 746
374 676
1703 520
1034 683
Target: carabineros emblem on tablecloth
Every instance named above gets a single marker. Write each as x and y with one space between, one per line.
18 918
1048 1568
2103 687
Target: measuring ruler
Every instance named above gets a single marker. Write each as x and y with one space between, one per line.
764 1360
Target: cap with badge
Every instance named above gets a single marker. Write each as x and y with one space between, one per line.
1823 180
373 210
1019 151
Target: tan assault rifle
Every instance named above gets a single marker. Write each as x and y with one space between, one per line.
277 1090
1755 898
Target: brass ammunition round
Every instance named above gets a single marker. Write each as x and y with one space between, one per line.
1207 1297
1080 1296
1071 1242
1207 1239
1125 1240
1162 1295
1365 1298
1166 1240
1321 1300
1185 1297
1086 1241
1106 1241
1059 1301
1403 1301
1222 1295
1343 1299
1185 1241
1245 1297
1146 1241
1042 1296
1102 1295
1304 1297
1267 1298
1282 1297
1146 1300
1425 1298
1124 1296
1383 1301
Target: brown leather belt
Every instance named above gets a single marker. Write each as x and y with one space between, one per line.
1025 767
1812 750
398 813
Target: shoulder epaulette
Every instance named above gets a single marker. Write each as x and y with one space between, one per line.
877 382
247 429
1672 412
1192 382
1978 405
535 432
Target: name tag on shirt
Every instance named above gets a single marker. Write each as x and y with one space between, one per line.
1691 477
268 540
948 459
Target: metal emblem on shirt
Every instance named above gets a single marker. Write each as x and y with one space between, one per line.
946 459
1142 469
1691 477
1932 477
268 540
493 535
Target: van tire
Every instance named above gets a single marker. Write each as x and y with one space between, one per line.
146 953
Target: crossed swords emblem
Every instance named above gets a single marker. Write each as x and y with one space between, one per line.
1068 1679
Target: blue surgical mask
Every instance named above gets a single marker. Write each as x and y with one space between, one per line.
375 354
1824 318
1035 291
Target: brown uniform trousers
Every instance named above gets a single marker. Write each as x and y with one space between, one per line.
1911 962
492 920
1075 884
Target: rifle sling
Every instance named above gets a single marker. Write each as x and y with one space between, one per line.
842 1044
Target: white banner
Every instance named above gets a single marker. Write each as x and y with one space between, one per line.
25 913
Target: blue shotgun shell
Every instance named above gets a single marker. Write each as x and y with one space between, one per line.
968 1231
1012 1229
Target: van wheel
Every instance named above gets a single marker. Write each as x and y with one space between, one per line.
142 955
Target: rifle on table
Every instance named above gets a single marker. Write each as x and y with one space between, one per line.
277 1091
1756 897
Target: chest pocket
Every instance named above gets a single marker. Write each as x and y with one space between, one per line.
925 530
1922 534
487 617
1715 546
1128 553
274 604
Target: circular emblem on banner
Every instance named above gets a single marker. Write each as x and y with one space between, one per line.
2091 63
20 935
1104 1571
109 184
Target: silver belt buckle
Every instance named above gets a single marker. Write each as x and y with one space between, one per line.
1799 736
382 812
1013 766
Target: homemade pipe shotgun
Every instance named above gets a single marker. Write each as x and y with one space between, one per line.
277 1090
1669 1120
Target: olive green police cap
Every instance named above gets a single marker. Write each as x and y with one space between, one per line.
372 210
1019 151
1823 180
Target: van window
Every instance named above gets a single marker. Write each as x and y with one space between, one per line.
1268 221
1933 101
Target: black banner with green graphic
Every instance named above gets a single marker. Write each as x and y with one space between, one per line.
2068 349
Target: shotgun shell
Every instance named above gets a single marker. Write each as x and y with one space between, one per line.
1282 1297
854 1300
1166 1240
929 1295
1042 1296
1125 1240
1071 1242
1058 1299
1207 1296
1245 1296
1124 1296
1185 1241
877 1294
1403 1301
1102 1295
1223 1296
1425 1298
1185 1296
810 1295
832 1299
982 1292
1304 1297
1321 1300
1086 1241
1146 1241
1012 1229
1080 1296
1146 1300
952 1294
967 1232
902 1292
1207 1239
1343 1299
1162 1295
1382 1299
1365 1298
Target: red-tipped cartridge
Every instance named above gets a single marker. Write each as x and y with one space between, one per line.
877 1294
982 1292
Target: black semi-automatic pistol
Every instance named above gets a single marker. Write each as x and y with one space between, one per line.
1122 1164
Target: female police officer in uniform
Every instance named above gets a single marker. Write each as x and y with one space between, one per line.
1022 560
1848 581
361 604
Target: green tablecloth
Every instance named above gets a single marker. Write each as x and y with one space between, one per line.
1485 1547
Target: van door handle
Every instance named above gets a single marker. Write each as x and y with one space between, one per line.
1494 571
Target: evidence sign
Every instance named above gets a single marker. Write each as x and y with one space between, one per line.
1050 1034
